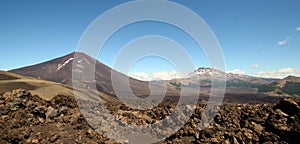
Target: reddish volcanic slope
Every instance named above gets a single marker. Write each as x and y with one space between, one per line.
60 70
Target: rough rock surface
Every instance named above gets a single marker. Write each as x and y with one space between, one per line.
248 124
29 119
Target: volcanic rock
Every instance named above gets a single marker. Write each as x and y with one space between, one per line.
30 119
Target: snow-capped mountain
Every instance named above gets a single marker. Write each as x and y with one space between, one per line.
211 73
204 77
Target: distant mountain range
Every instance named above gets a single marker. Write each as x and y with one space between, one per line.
203 77
60 70
206 73
289 86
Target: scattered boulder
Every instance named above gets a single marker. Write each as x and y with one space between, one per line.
51 112
289 106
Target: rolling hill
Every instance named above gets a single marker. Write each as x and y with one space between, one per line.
45 89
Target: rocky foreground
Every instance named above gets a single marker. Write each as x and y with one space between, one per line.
29 119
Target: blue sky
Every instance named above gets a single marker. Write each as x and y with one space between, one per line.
257 37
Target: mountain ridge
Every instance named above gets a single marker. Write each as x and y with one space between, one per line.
206 71
60 70
289 86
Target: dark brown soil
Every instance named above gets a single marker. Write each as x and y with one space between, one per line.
6 77
15 85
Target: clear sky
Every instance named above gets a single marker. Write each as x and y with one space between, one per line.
260 38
